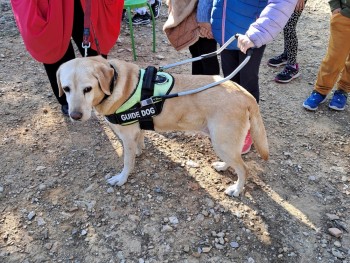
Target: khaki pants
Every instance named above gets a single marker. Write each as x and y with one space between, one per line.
337 60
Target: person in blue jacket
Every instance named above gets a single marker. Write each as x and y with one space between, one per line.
258 22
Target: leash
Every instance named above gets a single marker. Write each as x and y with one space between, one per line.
156 99
204 56
86 32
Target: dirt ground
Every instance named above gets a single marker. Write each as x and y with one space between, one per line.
55 204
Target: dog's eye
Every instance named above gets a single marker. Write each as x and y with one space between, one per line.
66 89
87 89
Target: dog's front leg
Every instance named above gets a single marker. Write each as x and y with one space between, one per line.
130 139
140 143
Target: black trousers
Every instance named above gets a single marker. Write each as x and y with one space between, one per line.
77 36
209 66
248 76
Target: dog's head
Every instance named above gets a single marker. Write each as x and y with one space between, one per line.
85 81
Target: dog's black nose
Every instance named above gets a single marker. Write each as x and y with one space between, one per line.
76 115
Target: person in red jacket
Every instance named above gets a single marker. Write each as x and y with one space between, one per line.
47 28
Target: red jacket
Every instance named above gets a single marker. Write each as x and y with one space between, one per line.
46 26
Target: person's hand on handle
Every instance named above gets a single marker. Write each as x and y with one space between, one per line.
244 43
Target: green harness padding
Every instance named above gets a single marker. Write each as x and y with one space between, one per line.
151 84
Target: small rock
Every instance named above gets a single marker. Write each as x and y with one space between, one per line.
335 232
42 187
337 244
40 221
200 218
206 249
173 220
83 232
218 246
31 215
110 190
167 228
234 244
48 246
186 248
220 234
192 164
1 188
337 253
40 168
332 217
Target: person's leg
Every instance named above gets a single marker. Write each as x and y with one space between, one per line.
248 76
51 70
196 66
291 70
331 66
291 39
340 95
208 66
141 17
336 56
229 62
344 81
141 10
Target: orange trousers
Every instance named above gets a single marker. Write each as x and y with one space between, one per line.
335 67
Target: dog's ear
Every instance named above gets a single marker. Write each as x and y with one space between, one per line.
60 90
104 75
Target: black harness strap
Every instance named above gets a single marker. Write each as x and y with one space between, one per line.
147 92
143 112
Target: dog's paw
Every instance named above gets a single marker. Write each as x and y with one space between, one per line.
233 190
219 166
119 180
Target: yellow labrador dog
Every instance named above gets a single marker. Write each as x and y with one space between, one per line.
225 112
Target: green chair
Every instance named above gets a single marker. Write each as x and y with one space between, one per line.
132 4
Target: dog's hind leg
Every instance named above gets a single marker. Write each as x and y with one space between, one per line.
130 136
234 160
228 149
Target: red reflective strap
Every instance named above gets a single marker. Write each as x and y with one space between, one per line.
87 22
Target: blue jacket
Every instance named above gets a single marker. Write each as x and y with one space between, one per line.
260 20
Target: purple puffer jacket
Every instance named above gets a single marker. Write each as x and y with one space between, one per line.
271 21
260 20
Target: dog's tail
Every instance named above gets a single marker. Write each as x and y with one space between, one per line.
258 132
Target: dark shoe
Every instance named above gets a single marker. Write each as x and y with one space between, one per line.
156 8
288 74
315 99
338 101
141 19
277 61
64 110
